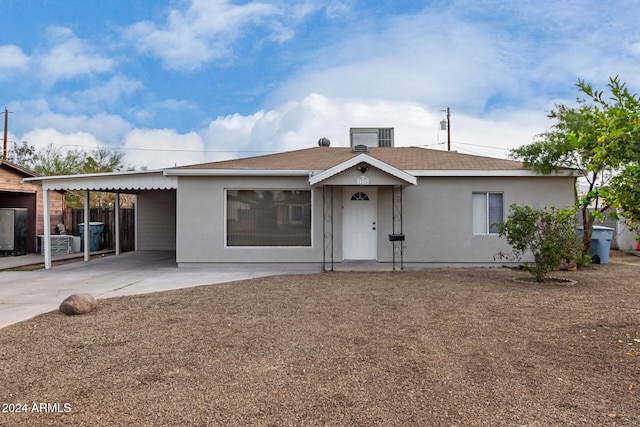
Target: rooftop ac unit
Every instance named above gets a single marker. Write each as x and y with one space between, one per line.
371 137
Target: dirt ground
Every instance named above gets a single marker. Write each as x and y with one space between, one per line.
460 347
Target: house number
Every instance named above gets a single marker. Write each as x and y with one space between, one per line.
362 180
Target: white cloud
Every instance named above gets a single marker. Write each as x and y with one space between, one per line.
498 65
12 59
37 114
70 57
96 98
109 92
141 115
297 125
42 137
336 8
207 31
162 148
496 134
292 126
202 33
472 55
176 105
432 58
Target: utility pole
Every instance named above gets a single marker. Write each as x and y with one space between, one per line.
6 126
448 129
446 124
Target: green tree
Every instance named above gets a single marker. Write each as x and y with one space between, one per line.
550 235
600 139
627 194
103 160
51 161
22 154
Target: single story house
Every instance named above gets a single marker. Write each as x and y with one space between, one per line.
370 201
15 194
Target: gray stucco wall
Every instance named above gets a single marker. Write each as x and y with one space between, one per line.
201 221
437 219
156 221
437 216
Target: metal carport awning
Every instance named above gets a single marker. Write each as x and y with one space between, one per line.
112 182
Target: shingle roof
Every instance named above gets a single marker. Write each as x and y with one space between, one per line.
17 168
404 158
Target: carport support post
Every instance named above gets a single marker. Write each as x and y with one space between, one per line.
46 240
87 214
117 222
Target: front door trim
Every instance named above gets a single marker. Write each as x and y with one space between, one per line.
360 223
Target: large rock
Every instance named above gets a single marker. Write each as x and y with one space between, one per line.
78 304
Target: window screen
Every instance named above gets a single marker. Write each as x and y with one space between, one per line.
479 213
495 212
268 218
487 211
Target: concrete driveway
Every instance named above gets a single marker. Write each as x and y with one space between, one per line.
25 294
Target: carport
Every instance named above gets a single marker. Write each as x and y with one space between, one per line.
155 206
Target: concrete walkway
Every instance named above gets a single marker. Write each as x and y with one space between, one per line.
25 294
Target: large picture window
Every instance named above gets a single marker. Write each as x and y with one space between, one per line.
487 212
268 218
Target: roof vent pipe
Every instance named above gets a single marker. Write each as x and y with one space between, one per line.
324 142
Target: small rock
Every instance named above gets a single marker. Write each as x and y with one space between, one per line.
78 304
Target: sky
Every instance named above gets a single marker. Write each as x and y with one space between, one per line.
171 83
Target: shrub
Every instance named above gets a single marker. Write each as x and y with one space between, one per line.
550 235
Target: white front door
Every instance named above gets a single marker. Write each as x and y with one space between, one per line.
360 223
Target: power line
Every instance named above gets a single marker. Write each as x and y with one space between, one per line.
177 150
472 152
171 150
483 146
433 145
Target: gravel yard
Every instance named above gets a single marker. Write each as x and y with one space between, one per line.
459 347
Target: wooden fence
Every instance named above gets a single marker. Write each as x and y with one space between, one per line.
75 216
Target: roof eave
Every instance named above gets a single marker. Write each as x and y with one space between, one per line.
238 172
363 158
111 181
40 179
18 168
489 173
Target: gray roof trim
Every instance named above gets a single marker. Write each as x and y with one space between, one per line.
235 172
489 173
112 181
385 167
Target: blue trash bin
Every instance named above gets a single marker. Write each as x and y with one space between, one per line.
600 244
95 232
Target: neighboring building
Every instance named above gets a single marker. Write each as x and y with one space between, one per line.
328 205
623 238
13 194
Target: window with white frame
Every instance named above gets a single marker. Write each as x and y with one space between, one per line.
268 218
487 212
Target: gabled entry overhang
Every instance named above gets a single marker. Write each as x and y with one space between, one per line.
404 177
